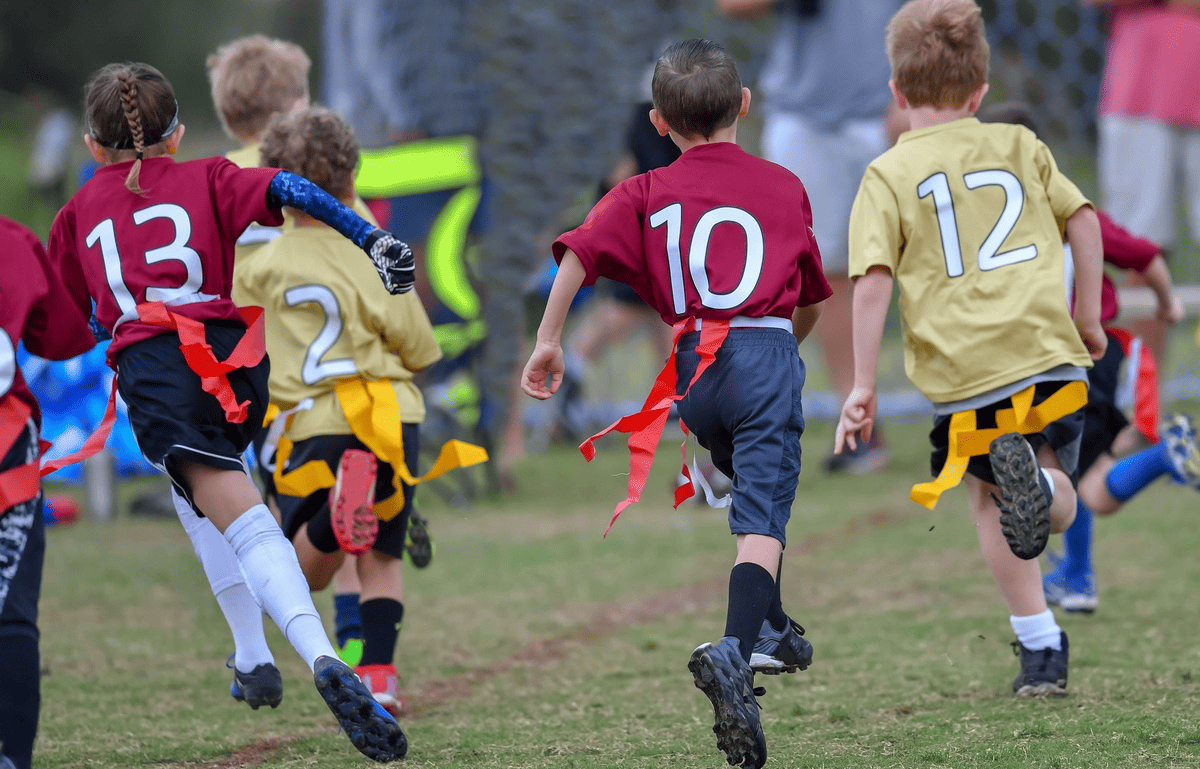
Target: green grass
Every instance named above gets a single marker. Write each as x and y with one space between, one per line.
532 642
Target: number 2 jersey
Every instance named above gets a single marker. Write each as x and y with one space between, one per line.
716 234
173 244
970 218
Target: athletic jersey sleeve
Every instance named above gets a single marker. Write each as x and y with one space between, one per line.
875 234
64 264
609 242
1123 249
1065 197
814 288
56 328
240 197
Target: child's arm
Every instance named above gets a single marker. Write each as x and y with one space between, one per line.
1158 278
803 320
393 259
872 295
547 358
1083 233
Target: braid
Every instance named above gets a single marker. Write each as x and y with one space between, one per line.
133 116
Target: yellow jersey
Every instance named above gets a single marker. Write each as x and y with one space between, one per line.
328 318
970 219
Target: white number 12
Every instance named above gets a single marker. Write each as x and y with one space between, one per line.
990 256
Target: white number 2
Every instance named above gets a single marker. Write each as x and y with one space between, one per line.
8 362
314 370
672 216
990 256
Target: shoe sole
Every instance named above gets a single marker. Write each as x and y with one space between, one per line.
371 729
735 732
1043 689
420 545
352 500
772 666
1079 604
1024 509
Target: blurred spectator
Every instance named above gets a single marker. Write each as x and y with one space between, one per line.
827 115
1150 125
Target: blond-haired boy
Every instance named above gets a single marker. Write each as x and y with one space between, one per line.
970 220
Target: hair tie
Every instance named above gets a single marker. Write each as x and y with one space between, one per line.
139 154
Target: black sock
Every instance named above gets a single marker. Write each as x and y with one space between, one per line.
775 613
751 588
20 681
381 627
320 532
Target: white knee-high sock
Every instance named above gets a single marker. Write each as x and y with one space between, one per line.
271 569
242 612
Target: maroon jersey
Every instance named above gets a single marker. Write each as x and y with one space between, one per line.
716 234
1125 251
174 244
35 308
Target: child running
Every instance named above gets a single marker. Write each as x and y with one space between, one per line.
750 288
1106 484
970 218
335 338
35 309
151 241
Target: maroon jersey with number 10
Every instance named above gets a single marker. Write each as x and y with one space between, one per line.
174 244
718 233
34 307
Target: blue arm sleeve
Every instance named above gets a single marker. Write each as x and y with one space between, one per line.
288 189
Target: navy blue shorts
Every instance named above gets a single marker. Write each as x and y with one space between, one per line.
745 409
173 419
1064 436
22 549
295 511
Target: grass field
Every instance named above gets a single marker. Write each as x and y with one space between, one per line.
532 642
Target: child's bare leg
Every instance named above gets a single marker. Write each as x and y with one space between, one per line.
319 568
232 502
1020 581
1093 488
1062 506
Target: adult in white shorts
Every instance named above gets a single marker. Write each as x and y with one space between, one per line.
1149 153
826 118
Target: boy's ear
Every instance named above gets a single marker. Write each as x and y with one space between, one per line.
659 124
745 108
174 139
977 98
98 153
901 102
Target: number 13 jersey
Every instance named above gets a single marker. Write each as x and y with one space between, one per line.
970 218
174 244
716 234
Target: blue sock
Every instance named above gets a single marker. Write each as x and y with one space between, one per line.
346 618
1077 544
1137 471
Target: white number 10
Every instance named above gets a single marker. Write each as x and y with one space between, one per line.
672 216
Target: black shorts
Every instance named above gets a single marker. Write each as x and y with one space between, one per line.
746 410
22 549
295 511
1103 420
1063 435
173 419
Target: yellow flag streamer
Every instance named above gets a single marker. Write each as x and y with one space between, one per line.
965 441
373 411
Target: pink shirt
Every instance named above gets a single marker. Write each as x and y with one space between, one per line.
716 234
1153 65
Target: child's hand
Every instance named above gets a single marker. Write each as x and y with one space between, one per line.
858 418
1093 336
1170 313
546 362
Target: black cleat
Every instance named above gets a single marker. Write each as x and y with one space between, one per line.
261 686
1043 672
781 651
367 723
420 544
725 678
1024 501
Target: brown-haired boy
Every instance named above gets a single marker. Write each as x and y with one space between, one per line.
751 287
252 79
970 220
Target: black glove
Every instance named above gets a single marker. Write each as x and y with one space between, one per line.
393 260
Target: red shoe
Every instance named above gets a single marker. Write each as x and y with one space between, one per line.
352 502
382 681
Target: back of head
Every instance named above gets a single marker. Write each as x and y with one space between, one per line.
313 142
130 106
1013 112
939 52
696 88
253 78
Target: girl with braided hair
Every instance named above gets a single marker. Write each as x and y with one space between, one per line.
151 241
